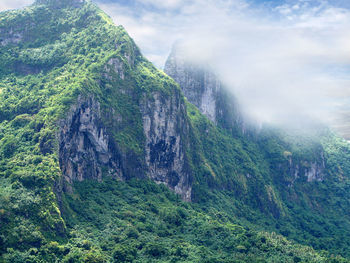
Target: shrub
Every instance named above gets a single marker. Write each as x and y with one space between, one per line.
156 249
124 253
9 146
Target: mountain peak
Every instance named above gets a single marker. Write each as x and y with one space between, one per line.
60 3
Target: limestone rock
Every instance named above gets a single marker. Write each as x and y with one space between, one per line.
165 127
204 89
85 148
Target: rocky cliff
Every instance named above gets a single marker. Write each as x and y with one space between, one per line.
85 148
93 142
204 89
304 170
166 130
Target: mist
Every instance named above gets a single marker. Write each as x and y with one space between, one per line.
283 62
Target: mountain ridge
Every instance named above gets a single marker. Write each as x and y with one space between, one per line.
101 154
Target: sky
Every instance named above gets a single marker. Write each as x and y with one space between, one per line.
279 57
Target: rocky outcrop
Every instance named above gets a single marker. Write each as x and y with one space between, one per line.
114 66
314 172
10 37
165 127
85 148
199 86
311 170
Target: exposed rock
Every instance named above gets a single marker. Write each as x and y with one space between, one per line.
85 148
11 38
203 89
87 151
114 65
199 86
165 127
313 171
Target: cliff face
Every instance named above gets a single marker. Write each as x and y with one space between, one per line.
199 86
166 128
308 170
85 148
204 90
88 151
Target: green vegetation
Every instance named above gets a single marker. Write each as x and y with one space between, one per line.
255 181
139 221
244 189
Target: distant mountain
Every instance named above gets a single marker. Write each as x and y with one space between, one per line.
103 159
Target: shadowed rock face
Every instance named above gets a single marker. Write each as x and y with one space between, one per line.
303 170
85 148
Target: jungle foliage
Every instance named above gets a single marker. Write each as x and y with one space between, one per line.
247 206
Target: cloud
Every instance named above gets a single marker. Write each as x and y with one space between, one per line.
281 61
163 4
14 4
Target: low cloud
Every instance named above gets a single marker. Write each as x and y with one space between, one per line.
282 62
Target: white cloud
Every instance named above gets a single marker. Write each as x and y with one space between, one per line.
156 31
293 58
167 4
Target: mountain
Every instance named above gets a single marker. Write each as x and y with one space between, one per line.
103 159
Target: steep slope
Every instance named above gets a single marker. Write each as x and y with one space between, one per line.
122 106
78 101
92 137
203 89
